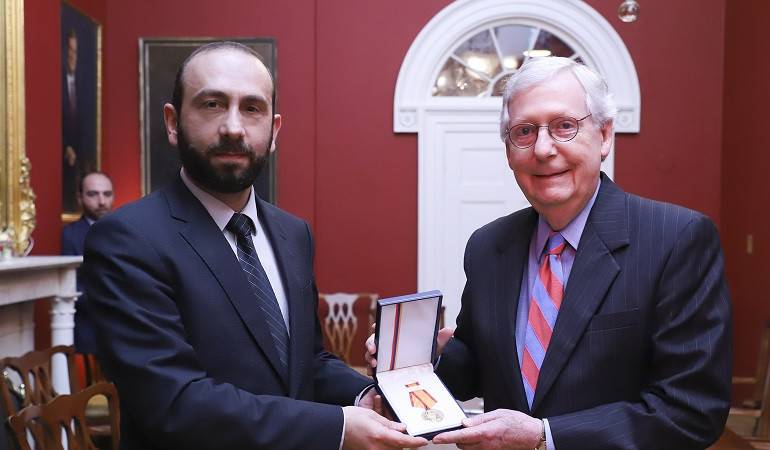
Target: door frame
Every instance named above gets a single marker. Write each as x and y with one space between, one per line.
417 111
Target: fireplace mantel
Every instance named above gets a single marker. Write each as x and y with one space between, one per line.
23 280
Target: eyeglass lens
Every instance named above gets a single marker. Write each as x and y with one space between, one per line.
561 129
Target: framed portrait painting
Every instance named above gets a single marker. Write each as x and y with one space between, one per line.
81 103
160 59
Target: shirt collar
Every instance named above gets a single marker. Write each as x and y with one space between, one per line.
572 231
220 212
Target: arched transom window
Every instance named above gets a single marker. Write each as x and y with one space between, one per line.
480 66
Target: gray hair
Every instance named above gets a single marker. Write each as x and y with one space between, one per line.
536 71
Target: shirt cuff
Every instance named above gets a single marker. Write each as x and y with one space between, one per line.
342 438
362 393
549 445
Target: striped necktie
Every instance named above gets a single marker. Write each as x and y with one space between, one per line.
544 304
242 226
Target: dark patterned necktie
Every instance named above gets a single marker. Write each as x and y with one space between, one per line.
241 226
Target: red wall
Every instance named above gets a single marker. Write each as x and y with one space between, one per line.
43 116
746 159
340 165
366 177
294 30
681 111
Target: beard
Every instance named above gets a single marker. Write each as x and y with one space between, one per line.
228 178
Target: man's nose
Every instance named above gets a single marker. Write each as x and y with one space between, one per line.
233 125
545 146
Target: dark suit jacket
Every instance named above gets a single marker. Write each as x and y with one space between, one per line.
640 356
184 340
73 238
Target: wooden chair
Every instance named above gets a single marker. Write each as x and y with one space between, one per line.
33 370
63 419
93 371
346 323
758 380
756 408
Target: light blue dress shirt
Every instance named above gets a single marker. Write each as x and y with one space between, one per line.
571 233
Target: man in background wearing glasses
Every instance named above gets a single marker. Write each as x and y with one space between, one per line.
595 319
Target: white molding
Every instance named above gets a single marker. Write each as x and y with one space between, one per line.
579 25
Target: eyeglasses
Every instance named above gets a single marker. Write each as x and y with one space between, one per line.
561 129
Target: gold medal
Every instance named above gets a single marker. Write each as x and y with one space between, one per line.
433 415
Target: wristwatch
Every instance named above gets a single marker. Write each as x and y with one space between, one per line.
541 444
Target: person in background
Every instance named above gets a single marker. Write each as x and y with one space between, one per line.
95 196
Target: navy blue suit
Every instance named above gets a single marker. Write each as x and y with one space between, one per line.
183 338
640 356
73 238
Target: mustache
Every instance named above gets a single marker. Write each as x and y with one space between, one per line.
228 146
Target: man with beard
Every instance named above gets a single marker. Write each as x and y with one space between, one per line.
204 295
95 196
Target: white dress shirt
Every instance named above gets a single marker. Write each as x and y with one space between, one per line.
222 214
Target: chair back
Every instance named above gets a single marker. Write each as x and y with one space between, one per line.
33 370
64 419
756 409
346 320
763 358
92 369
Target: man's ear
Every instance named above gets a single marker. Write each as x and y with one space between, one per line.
608 135
276 128
171 120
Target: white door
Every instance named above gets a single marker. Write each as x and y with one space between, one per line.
475 187
447 93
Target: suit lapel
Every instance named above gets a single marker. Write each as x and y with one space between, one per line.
593 271
205 237
286 259
513 253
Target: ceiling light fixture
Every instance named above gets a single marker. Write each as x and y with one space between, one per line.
535 53
628 11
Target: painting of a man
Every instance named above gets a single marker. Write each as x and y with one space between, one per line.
80 62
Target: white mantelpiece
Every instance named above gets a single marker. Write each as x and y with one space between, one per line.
23 280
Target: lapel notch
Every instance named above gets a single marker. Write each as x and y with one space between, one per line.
207 240
593 272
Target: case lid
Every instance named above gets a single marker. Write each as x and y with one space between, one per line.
406 330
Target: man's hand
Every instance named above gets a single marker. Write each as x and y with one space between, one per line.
442 338
365 429
498 429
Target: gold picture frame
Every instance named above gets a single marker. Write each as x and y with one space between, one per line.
17 201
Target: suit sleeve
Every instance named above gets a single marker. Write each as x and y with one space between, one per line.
685 401
165 393
458 368
68 246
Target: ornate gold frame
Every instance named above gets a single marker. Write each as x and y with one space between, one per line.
17 201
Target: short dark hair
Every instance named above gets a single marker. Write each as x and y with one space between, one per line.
92 172
178 93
